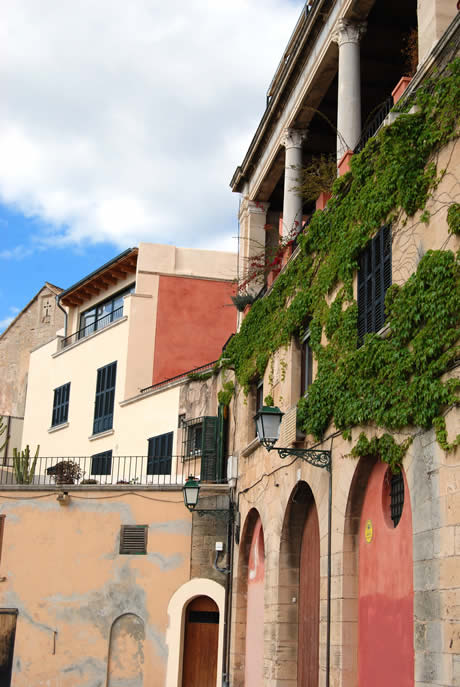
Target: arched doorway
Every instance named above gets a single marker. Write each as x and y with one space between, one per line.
385 588
254 654
201 639
299 580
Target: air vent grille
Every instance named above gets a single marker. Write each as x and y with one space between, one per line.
133 539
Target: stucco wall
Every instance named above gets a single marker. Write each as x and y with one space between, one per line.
37 324
64 574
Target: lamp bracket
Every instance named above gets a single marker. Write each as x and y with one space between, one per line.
320 459
218 512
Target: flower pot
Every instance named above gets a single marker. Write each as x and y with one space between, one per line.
322 199
400 87
344 164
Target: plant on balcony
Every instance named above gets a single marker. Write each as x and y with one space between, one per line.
24 470
241 300
89 481
65 472
317 177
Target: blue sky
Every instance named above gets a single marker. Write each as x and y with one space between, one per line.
124 122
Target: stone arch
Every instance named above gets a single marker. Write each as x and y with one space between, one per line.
175 633
240 597
299 585
126 652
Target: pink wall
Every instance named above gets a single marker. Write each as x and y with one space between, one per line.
254 663
195 318
386 644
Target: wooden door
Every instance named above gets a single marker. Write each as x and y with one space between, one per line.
201 643
7 634
309 590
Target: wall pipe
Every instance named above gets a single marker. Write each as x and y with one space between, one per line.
58 303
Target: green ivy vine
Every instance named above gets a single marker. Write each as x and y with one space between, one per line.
394 381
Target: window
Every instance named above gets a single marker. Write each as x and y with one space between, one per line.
374 278
133 539
306 364
101 463
195 440
105 397
200 442
397 497
160 454
102 314
61 405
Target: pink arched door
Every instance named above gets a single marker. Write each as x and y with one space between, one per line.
386 607
254 658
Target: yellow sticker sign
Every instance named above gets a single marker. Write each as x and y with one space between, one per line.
369 531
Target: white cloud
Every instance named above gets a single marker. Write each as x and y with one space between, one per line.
124 121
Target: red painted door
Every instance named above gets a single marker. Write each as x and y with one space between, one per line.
386 644
309 590
201 643
254 661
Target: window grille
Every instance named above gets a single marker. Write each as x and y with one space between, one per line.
101 463
200 441
397 497
160 454
133 539
105 397
61 405
374 278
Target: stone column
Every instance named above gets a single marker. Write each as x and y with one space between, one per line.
349 96
253 218
292 202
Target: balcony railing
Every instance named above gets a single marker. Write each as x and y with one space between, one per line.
374 124
106 470
93 327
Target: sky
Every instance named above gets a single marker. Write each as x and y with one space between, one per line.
123 122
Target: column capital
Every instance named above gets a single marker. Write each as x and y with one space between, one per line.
293 138
348 31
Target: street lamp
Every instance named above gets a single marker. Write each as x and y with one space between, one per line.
191 492
268 423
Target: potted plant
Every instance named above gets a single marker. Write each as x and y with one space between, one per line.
65 472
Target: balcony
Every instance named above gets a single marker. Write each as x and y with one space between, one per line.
105 470
97 325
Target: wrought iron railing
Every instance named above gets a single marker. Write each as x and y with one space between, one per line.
183 375
374 125
93 327
106 470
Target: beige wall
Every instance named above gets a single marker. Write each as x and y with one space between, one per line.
433 16
62 570
162 259
37 324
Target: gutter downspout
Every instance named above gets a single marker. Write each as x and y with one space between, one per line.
228 599
66 316
329 575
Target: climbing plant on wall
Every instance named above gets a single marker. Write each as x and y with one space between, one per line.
394 381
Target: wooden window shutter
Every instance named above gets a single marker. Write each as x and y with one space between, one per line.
374 278
105 398
160 454
209 449
133 539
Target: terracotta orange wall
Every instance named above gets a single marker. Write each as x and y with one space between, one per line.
254 664
195 317
386 636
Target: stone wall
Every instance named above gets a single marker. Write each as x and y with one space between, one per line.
36 324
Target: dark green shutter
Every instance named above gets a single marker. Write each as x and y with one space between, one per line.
209 450
374 278
105 397
160 454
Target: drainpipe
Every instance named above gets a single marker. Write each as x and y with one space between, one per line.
58 303
329 576
228 603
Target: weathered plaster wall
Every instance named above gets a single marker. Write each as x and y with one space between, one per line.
37 324
69 583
